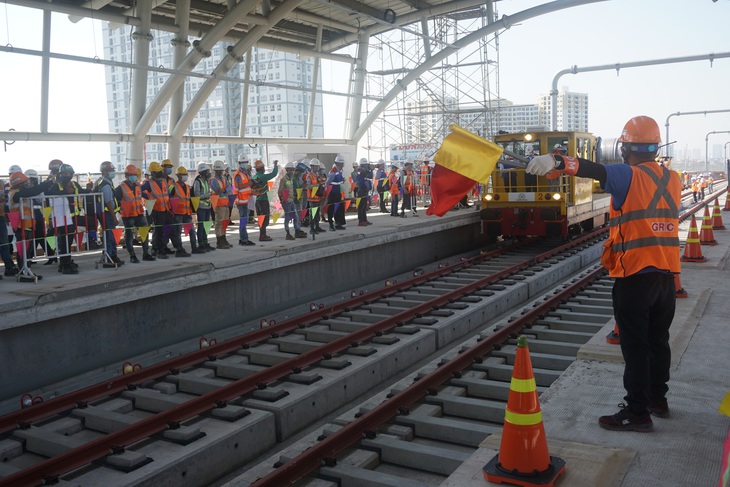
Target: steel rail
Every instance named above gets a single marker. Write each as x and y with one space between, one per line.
326 451
116 442
699 205
68 401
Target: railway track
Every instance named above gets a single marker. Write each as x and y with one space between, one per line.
198 416
419 432
168 421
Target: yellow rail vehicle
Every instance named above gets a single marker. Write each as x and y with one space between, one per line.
516 204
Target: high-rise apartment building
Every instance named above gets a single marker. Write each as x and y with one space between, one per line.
271 111
572 111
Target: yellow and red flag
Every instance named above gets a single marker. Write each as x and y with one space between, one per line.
463 160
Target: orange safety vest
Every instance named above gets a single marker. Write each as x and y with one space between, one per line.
242 184
424 175
313 181
159 193
182 193
408 180
131 204
644 231
27 216
222 201
393 182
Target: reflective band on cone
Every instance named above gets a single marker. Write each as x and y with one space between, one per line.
523 457
717 217
692 249
707 236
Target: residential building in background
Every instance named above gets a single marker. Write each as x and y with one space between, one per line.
572 110
271 111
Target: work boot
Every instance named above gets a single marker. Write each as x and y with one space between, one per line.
198 250
225 241
50 261
146 256
133 259
625 420
339 227
119 262
208 247
289 236
263 237
660 408
300 234
68 268
11 270
245 243
219 243
332 228
181 253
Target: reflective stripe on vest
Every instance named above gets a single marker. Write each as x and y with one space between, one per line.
644 231
131 204
160 195
27 207
312 195
222 200
183 196
242 184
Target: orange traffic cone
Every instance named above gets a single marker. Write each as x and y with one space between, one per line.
523 457
692 249
613 337
707 236
727 202
717 217
679 291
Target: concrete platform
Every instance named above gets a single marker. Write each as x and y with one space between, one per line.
684 449
68 325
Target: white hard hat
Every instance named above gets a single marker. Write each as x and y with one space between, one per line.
243 158
219 166
31 173
339 159
289 165
14 168
203 167
314 162
364 161
409 161
381 161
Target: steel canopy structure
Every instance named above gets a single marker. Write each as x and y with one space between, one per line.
342 31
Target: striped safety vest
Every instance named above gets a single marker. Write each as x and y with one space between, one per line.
27 216
242 185
158 192
182 193
131 204
222 200
644 231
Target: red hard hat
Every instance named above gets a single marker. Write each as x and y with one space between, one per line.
54 165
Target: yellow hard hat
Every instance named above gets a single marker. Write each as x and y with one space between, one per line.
167 162
155 166
181 170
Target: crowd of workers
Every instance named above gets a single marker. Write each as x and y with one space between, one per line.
698 184
49 214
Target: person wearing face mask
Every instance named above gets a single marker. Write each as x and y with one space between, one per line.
259 188
242 189
167 171
131 207
219 186
107 210
21 186
201 189
157 189
65 212
642 256
183 210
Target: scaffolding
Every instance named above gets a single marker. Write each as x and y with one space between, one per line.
462 89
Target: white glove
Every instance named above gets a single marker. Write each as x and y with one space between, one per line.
541 165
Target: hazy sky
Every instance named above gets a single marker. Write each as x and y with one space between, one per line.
615 31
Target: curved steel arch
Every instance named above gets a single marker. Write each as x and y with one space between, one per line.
505 22
233 58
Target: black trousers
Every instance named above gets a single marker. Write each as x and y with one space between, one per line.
362 207
643 305
335 217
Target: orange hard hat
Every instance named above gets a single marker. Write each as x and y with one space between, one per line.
17 178
130 169
259 164
641 130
